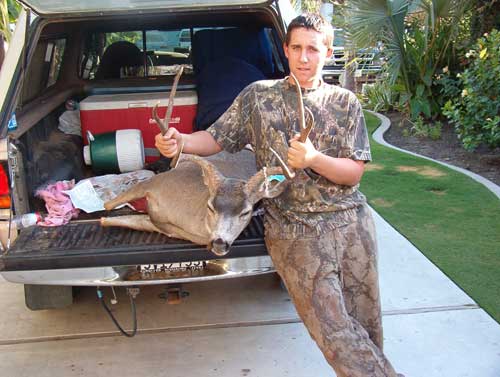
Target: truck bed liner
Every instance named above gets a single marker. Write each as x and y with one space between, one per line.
87 244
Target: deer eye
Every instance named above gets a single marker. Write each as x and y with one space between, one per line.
245 213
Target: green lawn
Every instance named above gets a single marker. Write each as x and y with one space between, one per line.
451 218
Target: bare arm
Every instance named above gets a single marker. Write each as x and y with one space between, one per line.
200 143
343 171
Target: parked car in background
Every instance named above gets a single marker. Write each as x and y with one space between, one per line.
367 62
165 40
185 39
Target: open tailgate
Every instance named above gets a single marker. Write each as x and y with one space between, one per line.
87 244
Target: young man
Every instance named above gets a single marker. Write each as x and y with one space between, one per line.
319 232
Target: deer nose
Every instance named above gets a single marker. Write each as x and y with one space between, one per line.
219 247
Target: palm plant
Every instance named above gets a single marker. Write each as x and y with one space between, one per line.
307 5
417 38
9 11
4 20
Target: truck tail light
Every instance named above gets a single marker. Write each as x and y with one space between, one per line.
4 189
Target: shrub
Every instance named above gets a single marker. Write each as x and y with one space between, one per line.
423 129
378 96
475 112
384 96
447 86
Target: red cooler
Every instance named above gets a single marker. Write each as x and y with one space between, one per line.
111 112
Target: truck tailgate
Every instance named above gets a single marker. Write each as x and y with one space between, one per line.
87 244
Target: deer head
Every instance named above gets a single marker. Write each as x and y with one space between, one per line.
230 203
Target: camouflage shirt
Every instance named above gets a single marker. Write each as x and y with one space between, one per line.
265 114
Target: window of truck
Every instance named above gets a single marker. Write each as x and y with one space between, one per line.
139 53
48 55
55 52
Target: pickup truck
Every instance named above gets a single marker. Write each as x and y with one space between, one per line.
368 63
63 52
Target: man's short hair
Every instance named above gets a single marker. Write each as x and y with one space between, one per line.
312 21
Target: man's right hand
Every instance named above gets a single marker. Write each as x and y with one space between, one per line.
168 144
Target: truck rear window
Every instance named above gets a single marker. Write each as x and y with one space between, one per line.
136 53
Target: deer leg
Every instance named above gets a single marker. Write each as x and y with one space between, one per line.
135 192
143 223
136 222
176 232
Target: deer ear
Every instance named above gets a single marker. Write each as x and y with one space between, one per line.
211 176
267 183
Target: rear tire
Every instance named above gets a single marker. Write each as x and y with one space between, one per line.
41 297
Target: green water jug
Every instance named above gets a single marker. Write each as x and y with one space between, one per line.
115 152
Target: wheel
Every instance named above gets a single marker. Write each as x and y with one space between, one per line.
41 297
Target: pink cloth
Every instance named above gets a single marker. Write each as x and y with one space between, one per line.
59 207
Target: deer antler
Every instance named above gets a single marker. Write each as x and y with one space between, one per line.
290 174
305 128
163 124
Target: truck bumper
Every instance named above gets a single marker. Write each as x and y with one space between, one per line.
168 273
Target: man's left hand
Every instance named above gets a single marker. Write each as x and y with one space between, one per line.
301 155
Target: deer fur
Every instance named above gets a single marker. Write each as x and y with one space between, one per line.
208 201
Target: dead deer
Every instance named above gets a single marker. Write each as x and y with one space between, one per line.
197 202
208 201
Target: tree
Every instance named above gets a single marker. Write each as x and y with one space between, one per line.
485 18
308 5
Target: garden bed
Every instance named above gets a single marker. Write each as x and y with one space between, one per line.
483 161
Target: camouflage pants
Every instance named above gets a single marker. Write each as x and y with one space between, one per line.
333 282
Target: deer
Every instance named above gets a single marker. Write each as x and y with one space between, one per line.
206 200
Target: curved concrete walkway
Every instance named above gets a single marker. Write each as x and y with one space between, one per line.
378 136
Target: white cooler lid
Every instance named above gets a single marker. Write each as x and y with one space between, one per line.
137 100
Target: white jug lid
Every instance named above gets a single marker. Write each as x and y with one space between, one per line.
86 155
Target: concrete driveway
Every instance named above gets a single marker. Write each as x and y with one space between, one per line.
248 327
